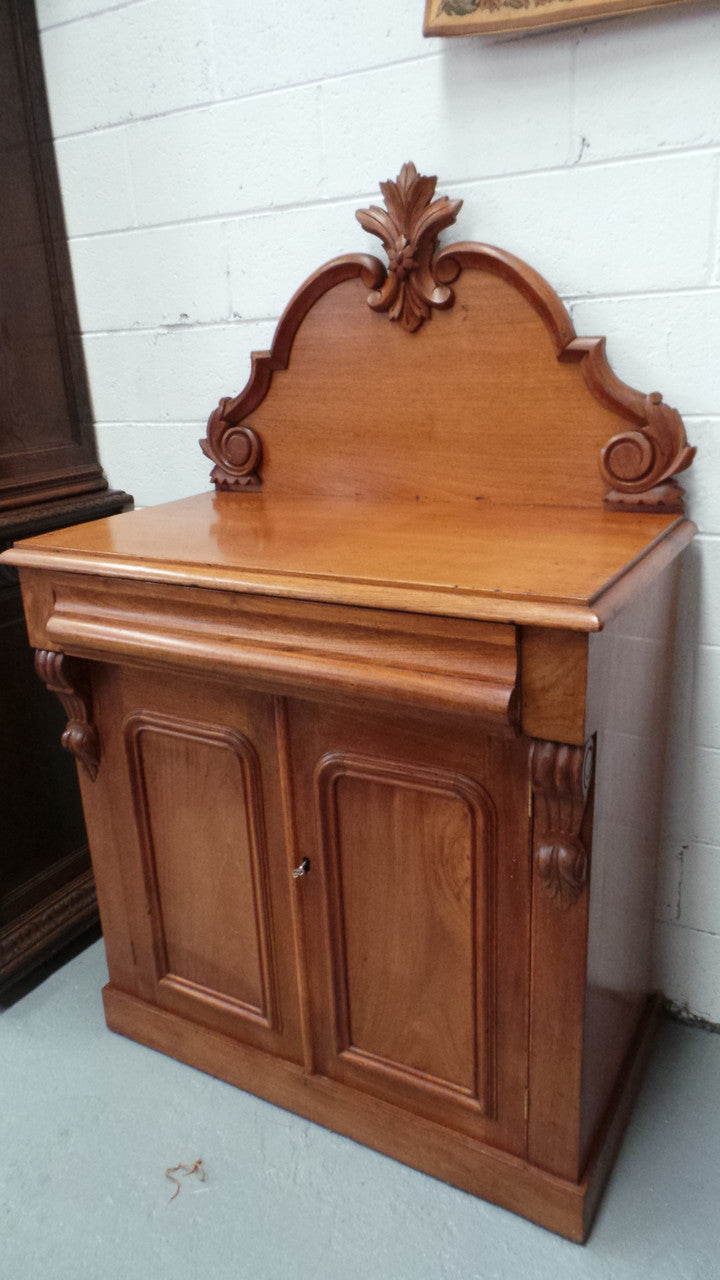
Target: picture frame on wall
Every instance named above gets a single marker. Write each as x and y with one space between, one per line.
485 17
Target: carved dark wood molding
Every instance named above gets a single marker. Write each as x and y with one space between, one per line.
67 678
409 227
238 454
560 777
39 931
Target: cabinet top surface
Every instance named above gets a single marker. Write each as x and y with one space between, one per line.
542 565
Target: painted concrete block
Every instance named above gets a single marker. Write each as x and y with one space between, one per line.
50 13
706 700
563 222
687 963
701 480
256 47
653 343
170 375
667 904
647 86
271 254
705 567
705 818
227 158
700 888
134 60
155 461
95 182
458 116
144 279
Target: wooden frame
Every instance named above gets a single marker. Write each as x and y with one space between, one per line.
485 17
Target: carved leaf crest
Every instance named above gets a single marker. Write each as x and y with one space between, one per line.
409 227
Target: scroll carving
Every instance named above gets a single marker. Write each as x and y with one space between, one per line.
640 464
236 451
67 678
409 227
560 778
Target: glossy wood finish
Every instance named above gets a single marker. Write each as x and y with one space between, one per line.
557 568
379 731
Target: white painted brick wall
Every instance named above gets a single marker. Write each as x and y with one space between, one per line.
212 155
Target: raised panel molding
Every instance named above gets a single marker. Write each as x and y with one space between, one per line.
264 1011
479 1093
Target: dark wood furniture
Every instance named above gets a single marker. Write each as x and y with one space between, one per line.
49 476
371 738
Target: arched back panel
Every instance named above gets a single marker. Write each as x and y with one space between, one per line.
452 376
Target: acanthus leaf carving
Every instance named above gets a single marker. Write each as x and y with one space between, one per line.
67 678
560 778
408 228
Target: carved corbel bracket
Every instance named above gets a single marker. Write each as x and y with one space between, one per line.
560 777
409 227
68 679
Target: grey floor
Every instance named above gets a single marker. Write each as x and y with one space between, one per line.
89 1122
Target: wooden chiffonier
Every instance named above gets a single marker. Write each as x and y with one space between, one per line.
371 737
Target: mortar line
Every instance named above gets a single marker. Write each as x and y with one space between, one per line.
94 13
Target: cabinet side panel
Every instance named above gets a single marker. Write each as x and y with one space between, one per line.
628 684
203 858
406 885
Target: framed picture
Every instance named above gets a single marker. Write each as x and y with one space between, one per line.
483 17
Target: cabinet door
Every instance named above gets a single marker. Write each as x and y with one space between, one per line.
416 908
190 769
